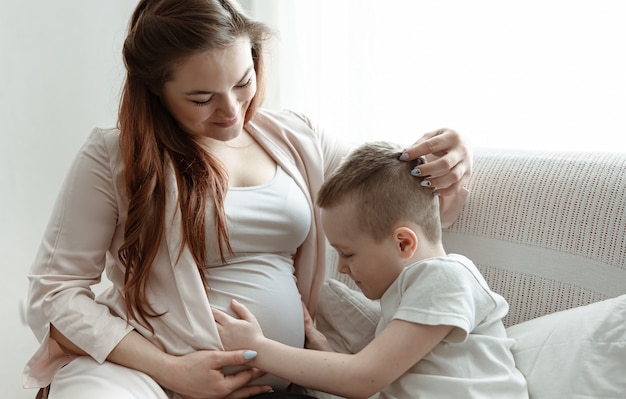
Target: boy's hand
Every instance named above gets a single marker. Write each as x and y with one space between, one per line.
314 338
237 333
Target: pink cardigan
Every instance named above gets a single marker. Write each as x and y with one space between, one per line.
86 230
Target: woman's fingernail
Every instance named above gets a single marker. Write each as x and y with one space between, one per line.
437 194
425 183
404 156
416 172
249 355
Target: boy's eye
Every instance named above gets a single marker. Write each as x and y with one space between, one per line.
344 255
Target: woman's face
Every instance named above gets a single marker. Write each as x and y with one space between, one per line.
210 92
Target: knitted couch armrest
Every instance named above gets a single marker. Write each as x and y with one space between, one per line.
546 229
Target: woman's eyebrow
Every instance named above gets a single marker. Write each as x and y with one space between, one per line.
197 92
246 73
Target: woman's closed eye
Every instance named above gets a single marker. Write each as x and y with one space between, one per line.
246 84
240 86
201 103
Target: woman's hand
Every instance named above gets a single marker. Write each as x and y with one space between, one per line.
239 333
198 375
194 375
449 165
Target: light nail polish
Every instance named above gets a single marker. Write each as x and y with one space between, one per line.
248 355
404 156
425 183
416 172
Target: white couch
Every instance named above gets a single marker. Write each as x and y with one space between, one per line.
548 232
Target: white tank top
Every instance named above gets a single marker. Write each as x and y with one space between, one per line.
266 224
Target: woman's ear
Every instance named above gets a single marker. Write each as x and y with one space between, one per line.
155 90
406 241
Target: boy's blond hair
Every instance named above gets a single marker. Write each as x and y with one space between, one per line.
383 189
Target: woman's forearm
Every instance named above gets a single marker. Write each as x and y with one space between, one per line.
67 345
133 351
197 374
136 352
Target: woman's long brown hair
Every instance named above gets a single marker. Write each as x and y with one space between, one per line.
162 34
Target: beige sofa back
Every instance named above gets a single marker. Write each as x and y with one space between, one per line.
547 229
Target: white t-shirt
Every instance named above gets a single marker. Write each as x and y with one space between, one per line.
266 225
475 359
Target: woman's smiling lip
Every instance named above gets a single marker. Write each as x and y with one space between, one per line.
226 124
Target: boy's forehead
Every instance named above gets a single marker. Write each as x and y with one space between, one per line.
340 217
345 206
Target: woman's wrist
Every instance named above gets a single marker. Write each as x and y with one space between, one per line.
136 352
166 372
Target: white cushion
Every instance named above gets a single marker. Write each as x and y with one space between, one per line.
346 317
575 353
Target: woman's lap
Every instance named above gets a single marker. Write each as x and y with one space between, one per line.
86 378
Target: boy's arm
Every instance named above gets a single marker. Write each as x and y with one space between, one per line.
400 345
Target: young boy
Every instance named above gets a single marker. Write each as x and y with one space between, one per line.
440 334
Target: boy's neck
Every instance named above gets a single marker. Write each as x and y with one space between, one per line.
428 250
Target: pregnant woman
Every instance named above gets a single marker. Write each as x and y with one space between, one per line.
196 198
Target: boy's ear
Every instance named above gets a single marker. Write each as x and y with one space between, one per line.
406 241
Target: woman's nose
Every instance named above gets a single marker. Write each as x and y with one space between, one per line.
228 105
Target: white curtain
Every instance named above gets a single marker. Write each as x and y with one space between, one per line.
546 74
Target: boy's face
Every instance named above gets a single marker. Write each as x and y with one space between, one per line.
373 265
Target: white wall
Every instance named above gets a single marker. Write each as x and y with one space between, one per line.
60 72
539 74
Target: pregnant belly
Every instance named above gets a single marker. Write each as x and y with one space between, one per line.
268 289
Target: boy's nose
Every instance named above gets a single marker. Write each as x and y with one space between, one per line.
342 268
